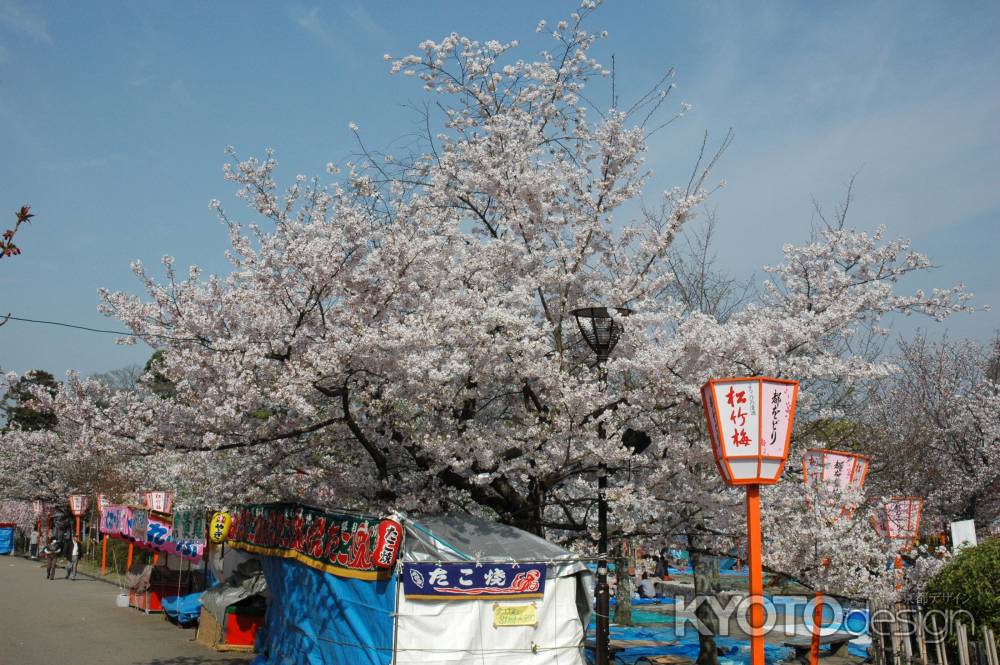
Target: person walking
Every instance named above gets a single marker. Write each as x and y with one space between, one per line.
51 551
73 552
33 542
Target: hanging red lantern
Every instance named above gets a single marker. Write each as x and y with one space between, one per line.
388 543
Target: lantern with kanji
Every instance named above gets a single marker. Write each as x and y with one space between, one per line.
161 502
834 468
898 520
38 508
102 502
218 527
78 504
750 425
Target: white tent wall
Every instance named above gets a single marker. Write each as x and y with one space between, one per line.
461 632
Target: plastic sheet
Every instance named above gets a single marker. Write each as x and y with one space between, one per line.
183 609
6 539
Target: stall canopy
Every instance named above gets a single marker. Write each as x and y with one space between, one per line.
149 530
462 591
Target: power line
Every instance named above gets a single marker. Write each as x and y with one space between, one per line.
11 317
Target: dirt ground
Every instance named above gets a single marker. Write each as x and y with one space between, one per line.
69 622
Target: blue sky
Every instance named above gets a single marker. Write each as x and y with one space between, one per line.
114 118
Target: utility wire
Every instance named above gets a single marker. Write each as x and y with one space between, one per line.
120 333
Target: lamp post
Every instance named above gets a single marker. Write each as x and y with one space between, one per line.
837 470
898 521
78 506
601 332
750 427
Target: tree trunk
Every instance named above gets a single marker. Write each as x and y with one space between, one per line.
623 606
708 653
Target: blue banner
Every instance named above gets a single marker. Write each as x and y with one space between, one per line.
469 581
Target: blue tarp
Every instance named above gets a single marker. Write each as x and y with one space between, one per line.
183 609
733 652
6 539
315 618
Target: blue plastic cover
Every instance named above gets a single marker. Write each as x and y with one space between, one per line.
315 618
6 539
184 609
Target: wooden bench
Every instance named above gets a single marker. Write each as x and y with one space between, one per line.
803 645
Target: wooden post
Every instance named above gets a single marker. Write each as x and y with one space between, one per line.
941 649
990 643
754 557
104 556
921 639
905 638
963 645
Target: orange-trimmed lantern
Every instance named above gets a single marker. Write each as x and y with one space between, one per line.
750 424
161 502
834 468
898 520
78 504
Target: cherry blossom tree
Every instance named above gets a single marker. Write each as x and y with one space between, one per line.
933 429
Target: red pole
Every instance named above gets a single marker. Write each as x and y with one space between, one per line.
128 564
77 526
48 519
754 559
104 556
817 621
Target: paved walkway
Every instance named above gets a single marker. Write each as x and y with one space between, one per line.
65 622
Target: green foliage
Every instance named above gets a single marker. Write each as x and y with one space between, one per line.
971 582
18 402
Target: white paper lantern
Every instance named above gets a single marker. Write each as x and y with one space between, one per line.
750 424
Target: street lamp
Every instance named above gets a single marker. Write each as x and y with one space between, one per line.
750 426
838 470
602 332
898 521
78 506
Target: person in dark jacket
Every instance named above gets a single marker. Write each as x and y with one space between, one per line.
73 552
51 552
